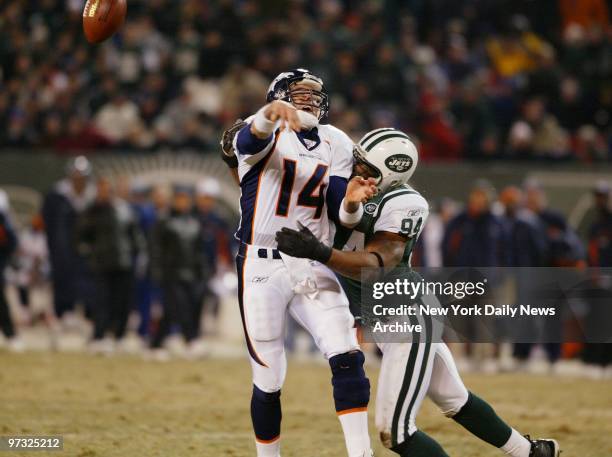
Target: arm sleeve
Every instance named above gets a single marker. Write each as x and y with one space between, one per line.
335 194
250 148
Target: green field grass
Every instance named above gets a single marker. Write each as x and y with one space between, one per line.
125 406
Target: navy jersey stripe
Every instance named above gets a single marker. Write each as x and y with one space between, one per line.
240 264
284 196
249 144
249 186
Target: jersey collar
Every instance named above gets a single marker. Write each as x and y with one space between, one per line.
310 139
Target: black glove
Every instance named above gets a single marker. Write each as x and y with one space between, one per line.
302 244
227 143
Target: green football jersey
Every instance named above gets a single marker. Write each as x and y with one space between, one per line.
399 210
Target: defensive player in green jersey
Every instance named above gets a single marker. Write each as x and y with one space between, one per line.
388 227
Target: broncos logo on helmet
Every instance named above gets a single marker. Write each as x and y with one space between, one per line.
303 98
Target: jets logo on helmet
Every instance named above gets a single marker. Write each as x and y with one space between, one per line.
399 162
280 89
390 154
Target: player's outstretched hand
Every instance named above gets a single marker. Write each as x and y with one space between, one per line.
359 189
303 244
285 112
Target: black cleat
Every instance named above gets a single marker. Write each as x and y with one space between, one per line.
543 448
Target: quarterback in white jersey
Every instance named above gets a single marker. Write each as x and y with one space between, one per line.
385 237
290 184
294 170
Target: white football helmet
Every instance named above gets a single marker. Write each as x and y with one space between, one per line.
390 154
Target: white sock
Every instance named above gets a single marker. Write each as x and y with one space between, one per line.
356 436
517 445
268 449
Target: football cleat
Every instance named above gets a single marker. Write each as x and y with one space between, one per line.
543 448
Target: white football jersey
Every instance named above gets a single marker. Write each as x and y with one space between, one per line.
401 210
287 182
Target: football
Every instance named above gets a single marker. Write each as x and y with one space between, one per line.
102 18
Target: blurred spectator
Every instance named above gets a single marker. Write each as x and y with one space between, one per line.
216 239
600 256
428 250
110 240
538 133
119 120
515 51
475 122
564 247
32 260
146 291
600 236
526 239
459 65
590 145
570 107
62 206
160 197
178 266
475 237
520 141
564 250
599 202
8 245
544 79
526 248
438 137
387 81
585 13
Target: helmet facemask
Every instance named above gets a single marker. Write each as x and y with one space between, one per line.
361 162
308 99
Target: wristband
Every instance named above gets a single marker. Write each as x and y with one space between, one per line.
262 123
350 219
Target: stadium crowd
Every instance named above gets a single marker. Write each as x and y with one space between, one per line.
470 79
114 248
121 250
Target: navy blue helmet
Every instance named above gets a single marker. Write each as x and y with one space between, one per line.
306 99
